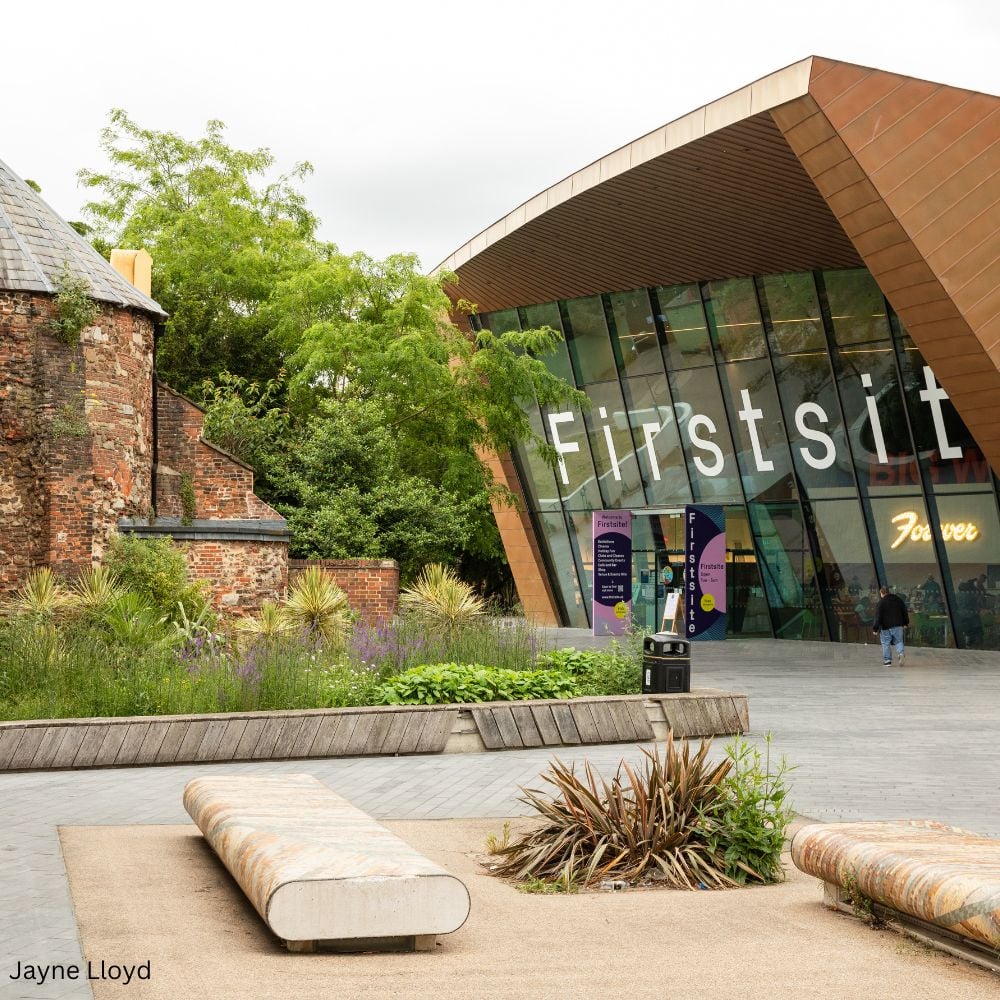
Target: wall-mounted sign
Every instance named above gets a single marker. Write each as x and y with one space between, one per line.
704 572
910 529
612 571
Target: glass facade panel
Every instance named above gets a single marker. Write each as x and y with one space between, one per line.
902 534
502 322
734 318
791 306
656 432
588 340
701 416
755 416
814 421
635 332
682 315
857 308
534 318
611 445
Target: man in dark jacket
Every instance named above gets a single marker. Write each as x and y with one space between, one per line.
891 617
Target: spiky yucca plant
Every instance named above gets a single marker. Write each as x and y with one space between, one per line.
440 596
42 598
95 590
317 603
642 824
271 621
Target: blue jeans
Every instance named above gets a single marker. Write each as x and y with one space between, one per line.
891 637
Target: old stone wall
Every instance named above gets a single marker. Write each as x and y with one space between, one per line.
371 585
75 434
222 485
240 575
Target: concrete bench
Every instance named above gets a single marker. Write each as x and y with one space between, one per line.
941 877
320 871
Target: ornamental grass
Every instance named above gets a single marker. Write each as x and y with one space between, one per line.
646 824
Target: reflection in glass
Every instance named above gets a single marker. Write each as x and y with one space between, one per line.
588 340
683 318
567 432
971 534
902 534
746 604
857 308
656 431
635 331
539 481
534 318
734 318
704 429
555 538
755 417
611 446
502 322
793 309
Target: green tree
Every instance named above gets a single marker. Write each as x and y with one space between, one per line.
222 230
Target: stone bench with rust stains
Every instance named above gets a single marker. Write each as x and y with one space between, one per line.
321 872
940 876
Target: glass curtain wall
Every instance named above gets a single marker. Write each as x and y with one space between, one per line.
799 403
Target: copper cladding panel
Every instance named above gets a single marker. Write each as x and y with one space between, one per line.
910 170
734 202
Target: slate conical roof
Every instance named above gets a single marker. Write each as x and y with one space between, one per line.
36 244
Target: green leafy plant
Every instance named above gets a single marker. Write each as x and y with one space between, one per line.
610 671
748 820
156 569
69 422
319 605
189 503
565 883
456 683
132 622
94 591
862 906
440 596
42 599
75 309
642 824
270 622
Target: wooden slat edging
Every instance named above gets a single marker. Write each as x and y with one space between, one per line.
605 723
289 733
524 718
49 746
188 750
269 737
547 728
488 731
504 719
741 706
306 736
131 745
585 724
213 737
378 733
230 739
564 722
114 736
171 742
151 742
26 748
640 718
9 739
325 735
89 745
437 730
395 735
342 737
411 735
623 720
69 747
675 714
359 738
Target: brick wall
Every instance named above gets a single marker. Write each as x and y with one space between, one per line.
371 585
223 485
240 575
75 434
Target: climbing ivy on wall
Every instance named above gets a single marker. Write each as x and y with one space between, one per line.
75 309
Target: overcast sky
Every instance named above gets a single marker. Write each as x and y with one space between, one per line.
426 122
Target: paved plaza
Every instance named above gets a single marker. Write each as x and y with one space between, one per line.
870 743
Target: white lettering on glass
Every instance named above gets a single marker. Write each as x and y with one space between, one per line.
935 395
815 410
603 413
649 431
562 447
866 381
750 416
696 422
910 530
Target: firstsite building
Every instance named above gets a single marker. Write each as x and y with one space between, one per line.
787 303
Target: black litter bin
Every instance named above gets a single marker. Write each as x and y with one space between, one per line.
666 664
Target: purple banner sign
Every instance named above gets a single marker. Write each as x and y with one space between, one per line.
612 571
704 572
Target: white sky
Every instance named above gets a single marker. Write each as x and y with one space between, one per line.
427 121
